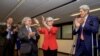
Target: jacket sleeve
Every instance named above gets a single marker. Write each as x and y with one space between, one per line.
3 31
37 35
22 35
53 30
76 30
92 26
41 30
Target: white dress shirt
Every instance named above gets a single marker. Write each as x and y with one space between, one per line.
30 30
9 32
85 18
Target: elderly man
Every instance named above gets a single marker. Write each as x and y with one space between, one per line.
86 26
28 37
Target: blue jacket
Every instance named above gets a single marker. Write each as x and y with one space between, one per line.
90 29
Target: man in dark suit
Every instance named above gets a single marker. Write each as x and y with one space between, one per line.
29 37
9 33
86 26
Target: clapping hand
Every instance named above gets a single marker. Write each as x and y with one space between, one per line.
31 34
78 22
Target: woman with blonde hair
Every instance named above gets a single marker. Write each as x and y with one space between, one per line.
49 45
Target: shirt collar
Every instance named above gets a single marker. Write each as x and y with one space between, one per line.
86 17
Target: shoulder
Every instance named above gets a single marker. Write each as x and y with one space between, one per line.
3 27
22 28
55 27
92 17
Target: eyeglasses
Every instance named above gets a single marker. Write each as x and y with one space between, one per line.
50 21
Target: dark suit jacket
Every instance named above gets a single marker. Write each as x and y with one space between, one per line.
90 29
8 44
3 33
23 36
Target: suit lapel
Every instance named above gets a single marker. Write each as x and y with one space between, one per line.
32 29
25 29
87 20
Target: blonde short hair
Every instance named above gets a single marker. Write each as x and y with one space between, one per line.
49 19
25 19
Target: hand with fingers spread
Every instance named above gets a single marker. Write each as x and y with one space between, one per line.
43 20
36 21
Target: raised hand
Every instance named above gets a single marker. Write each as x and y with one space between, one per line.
31 34
81 21
36 21
77 23
43 19
44 23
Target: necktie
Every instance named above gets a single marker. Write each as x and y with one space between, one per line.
82 37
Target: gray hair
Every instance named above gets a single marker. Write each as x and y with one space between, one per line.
25 19
85 7
49 18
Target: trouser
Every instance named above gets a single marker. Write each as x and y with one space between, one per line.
8 49
34 51
82 50
50 52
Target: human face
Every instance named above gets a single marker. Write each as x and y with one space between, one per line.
28 22
10 21
50 23
83 13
